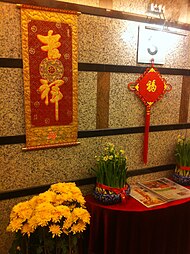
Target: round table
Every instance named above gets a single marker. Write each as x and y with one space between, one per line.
131 228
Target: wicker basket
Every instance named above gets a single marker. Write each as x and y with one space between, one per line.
109 196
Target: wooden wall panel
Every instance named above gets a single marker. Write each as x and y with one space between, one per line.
103 88
185 100
106 4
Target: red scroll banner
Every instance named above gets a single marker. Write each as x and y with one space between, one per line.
150 87
50 68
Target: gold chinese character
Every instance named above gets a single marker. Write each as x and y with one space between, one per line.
52 43
56 96
45 88
151 86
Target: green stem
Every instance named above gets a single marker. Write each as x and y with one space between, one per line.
70 245
45 250
27 247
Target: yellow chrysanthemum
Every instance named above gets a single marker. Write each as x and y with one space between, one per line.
78 227
80 199
15 225
22 210
62 187
47 196
16 209
72 205
60 199
27 229
58 205
79 215
60 212
33 222
75 190
55 230
43 213
34 202
82 214
68 223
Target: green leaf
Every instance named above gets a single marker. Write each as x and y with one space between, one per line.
39 250
74 240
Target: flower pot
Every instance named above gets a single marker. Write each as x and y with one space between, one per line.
182 175
109 196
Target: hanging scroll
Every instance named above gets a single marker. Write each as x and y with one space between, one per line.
50 69
150 87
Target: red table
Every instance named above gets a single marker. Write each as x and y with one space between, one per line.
131 228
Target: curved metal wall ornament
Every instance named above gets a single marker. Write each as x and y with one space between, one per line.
150 87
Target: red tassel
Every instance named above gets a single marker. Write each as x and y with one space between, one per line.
146 134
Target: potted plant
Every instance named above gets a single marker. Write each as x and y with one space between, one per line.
50 223
182 156
111 175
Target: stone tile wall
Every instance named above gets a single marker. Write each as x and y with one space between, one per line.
103 41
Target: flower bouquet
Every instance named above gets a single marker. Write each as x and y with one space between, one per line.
49 223
111 175
182 156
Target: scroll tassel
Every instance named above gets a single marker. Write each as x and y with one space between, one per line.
146 135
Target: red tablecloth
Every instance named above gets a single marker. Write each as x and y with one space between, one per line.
131 228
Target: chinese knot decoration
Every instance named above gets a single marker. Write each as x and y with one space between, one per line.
150 87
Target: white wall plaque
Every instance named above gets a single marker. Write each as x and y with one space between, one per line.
150 46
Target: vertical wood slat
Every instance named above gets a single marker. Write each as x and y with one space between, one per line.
103 91
188 12
185 100
106 4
